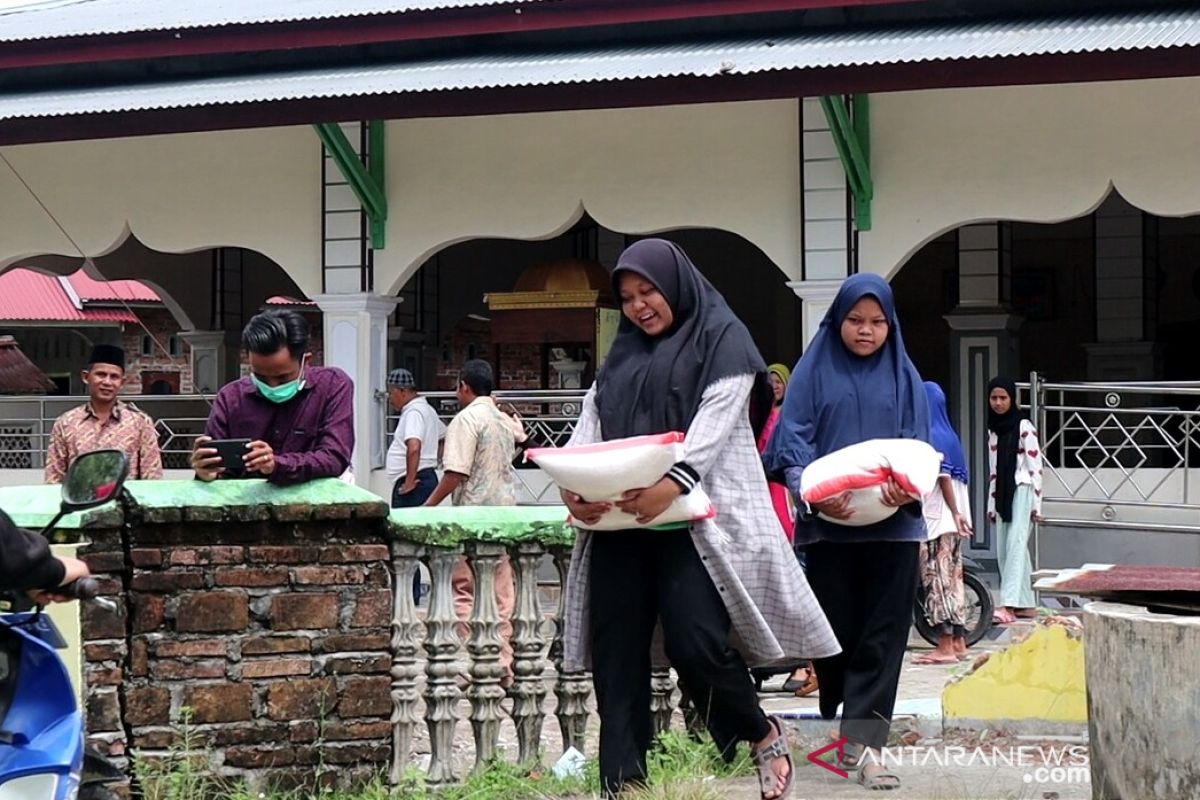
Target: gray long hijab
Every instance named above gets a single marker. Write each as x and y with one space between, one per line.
654 384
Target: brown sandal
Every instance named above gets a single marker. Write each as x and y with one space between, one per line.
810 686
880 781
768 781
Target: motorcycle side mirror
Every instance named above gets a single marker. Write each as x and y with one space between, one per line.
92 480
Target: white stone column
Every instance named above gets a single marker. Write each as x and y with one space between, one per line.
1125 267
208 357
356 327
817 296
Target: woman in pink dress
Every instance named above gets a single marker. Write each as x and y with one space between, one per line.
803 681
779 375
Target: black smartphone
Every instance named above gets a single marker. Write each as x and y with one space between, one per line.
231 452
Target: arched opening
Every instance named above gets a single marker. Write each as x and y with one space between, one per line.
445 317
1112 295
178 317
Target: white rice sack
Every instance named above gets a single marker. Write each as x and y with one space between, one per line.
863 469
605 471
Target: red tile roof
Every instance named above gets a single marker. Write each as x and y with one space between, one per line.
284 300
29 296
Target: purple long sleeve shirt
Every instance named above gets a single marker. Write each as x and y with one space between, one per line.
312 434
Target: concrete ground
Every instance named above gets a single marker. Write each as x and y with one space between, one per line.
934 765
1014 770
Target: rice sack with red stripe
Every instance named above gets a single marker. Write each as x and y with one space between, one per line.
863 469
605 471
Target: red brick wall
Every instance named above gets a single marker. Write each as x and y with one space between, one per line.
469 337
275 636
521 366
163 326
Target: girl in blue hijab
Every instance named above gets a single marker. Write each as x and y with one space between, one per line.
948 521
856 382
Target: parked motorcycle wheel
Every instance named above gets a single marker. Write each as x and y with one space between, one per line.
979 612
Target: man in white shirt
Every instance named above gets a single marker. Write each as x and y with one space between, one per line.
416 446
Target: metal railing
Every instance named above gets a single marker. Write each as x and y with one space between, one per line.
26 422
1119 455
549 418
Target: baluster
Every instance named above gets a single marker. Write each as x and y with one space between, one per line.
441 646
405 633
484 644
571 687
662 687
528 691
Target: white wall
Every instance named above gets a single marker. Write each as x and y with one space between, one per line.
732 166
940 158
258 189
943 158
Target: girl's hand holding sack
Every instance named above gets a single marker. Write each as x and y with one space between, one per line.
605 472
862 471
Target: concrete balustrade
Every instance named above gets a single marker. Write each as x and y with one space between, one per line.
278 625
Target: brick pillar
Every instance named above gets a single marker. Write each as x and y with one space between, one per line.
264 626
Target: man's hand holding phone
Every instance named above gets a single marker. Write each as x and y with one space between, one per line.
212 458
206 460
260 458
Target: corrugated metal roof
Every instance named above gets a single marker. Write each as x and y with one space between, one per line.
29 296
816 50
19 375
90 289
56 18
1176 588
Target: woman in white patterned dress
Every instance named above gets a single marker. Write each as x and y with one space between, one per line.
727 592
1014 497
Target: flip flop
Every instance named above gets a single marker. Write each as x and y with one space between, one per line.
927 658
792 685
882 781
810 686
768 781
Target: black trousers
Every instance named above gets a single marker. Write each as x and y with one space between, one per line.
867 591
638 577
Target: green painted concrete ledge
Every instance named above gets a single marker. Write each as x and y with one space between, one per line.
450 526
164 502
157 502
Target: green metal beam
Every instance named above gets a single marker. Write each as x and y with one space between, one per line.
377 166
367 182
852 137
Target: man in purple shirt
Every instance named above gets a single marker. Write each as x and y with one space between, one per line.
299 419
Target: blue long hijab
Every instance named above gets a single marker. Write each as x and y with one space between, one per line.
942 435
836 398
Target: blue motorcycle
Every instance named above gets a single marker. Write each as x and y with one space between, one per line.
42 754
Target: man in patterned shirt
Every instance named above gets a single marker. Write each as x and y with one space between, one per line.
479 450
104 422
